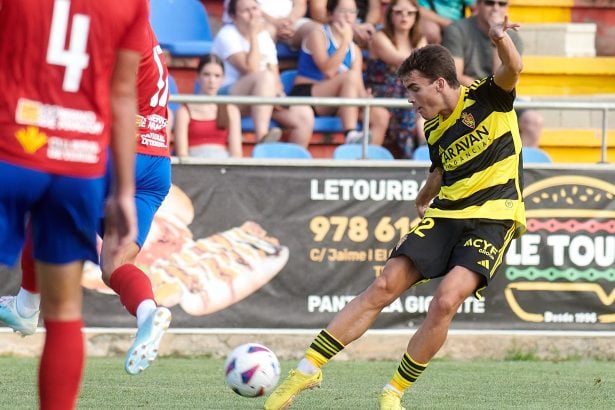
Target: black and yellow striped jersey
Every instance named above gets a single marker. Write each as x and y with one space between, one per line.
479 149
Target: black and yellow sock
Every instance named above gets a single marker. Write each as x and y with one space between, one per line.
407 373
323 348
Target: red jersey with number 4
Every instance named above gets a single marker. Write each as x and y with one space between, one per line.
57 61
153 94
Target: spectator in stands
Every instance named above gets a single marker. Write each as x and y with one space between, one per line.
439 14
400 35
208 130
251 68
331 65
472 50
363 27
286 19
530 127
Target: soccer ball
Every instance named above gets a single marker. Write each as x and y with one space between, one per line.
252 370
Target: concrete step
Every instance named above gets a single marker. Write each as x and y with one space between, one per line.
559 39
540 11
599 12
566 76
574 145
576 119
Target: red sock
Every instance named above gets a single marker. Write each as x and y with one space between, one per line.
61 367
28 272
132 285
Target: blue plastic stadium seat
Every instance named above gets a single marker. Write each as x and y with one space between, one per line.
355 151
535 156
285 52
421 153
288 79
280 150
247 124
182 27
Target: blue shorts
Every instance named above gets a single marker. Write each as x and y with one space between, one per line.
63 211
152 184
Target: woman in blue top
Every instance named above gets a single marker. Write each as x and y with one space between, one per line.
330 65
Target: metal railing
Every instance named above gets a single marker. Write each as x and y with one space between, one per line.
604 107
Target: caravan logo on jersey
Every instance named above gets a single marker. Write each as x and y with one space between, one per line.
465 148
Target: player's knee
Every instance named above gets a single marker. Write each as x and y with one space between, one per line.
445 305
383 291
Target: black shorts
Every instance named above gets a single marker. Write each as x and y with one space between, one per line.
436 245
301 90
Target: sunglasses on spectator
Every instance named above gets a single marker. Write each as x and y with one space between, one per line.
405 13
492 3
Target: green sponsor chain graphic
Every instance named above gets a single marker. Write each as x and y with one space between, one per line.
553 274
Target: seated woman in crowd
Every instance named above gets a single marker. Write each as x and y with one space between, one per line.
330 65
286 20
389 48
363 27
208 130
251 68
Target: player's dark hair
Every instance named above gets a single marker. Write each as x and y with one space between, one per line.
432 61
207 59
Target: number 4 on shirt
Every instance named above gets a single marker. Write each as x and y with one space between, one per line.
75 59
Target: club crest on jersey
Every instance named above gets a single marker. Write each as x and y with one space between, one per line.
468 120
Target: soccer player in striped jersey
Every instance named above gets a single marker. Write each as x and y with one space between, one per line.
68 83
153 181
471 208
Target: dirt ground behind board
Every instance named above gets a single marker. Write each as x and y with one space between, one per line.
372 346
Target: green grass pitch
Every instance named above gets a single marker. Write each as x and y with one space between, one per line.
198 383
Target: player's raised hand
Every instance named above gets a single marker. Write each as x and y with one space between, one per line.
497 30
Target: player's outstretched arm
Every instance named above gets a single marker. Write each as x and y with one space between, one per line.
506 75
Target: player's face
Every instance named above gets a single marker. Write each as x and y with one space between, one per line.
423 93
210 78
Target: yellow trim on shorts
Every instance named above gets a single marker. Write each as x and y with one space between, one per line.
509 237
